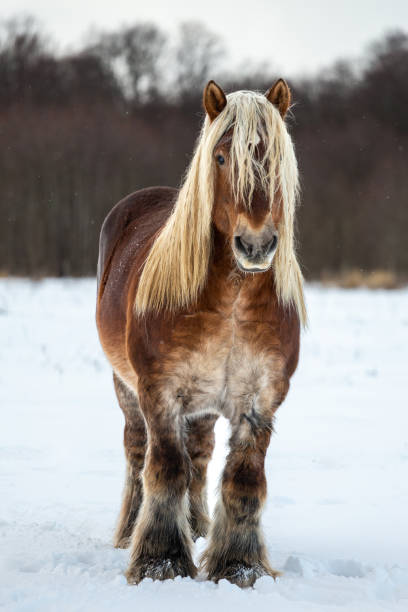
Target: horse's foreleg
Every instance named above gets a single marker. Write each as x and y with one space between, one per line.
161 540
135 446
236 550
200 443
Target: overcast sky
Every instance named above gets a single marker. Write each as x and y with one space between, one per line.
295 37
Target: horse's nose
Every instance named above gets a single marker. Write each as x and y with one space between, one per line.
243 246
270 246
255 247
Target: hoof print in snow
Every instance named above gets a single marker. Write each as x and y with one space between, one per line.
159 569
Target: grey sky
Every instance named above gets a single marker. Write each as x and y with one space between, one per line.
296 37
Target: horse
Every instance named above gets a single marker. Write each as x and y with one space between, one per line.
199 311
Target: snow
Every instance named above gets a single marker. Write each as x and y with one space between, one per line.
336 517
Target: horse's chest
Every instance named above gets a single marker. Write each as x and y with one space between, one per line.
225 368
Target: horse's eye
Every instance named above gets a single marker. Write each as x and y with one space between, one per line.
220 159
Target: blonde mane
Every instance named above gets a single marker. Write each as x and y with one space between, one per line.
176 268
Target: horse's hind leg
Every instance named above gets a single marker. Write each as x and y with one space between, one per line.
200 441
135 445
161 540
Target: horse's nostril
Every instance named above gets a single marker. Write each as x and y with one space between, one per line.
271 245
244 247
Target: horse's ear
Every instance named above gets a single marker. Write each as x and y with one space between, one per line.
279 96
214 100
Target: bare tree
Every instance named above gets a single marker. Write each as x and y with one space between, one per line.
199 53
25 59
384 85
135 53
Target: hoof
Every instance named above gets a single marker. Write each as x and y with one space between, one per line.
160 569
244 575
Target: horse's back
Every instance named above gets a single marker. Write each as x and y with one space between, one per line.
146 210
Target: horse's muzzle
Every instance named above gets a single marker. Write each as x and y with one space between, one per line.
255 252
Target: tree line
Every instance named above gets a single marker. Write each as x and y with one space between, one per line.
79 131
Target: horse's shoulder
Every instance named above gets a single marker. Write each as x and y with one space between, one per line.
148 206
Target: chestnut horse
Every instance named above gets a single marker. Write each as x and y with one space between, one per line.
199 309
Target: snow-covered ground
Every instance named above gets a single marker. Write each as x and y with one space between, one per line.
336 517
